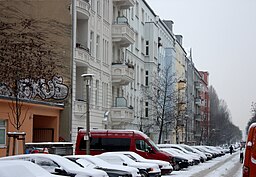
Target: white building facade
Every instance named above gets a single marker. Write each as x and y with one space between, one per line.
123 43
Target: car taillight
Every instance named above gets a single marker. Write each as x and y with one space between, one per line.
150 169
246 171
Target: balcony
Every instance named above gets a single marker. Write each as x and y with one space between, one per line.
198 101
120 113
198 86
122 34
124 4
122 74
82 55
79 107
83 9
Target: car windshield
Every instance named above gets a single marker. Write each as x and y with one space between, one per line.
97 161
131 157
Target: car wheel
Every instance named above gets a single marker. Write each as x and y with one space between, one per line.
176 167
144 174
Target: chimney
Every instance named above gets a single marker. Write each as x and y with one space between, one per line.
169 24
179 39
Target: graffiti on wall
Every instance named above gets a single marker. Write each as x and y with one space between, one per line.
30 89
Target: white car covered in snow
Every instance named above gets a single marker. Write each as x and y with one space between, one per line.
146 169
89 160
165 167
59 165
19 168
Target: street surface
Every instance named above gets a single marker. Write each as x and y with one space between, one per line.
225 166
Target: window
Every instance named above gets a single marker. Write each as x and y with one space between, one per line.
107 144
98 47
105 51
146 78
104 95
2 132
137 9
98 7
146 109
142 145
92 43
137 41
47 164
93 5
132 13
97 93
106 10
147 47
142 46
146 112
142 16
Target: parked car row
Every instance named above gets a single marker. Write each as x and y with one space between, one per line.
121 153
112 164
186 155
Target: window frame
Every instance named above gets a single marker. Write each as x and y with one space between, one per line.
3 127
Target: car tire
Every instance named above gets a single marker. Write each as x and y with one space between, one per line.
143 173
176 167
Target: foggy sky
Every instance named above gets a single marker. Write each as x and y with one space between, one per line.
222 34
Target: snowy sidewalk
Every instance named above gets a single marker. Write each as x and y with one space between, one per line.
220 166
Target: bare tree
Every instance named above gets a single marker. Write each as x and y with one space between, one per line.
253 118
162 98
222 130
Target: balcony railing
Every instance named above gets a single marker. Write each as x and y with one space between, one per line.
124 4
198 101
82 55
122 74
122 115
198 86
83 9
122 33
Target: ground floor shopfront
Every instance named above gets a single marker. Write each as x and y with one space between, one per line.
40 123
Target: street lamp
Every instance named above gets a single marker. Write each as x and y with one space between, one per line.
87 78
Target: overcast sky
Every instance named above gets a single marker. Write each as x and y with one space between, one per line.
222 34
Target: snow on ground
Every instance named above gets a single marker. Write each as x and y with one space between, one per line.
191 170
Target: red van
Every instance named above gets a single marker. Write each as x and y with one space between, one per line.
120 140
249 167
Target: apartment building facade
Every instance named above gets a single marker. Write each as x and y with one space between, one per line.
124 45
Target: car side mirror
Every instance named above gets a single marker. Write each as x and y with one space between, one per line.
149 149
60 171
125 164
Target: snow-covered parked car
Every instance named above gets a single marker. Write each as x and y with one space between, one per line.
181 159
20 168
165 167
59 165
146 169
196 157
193 150
98 163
